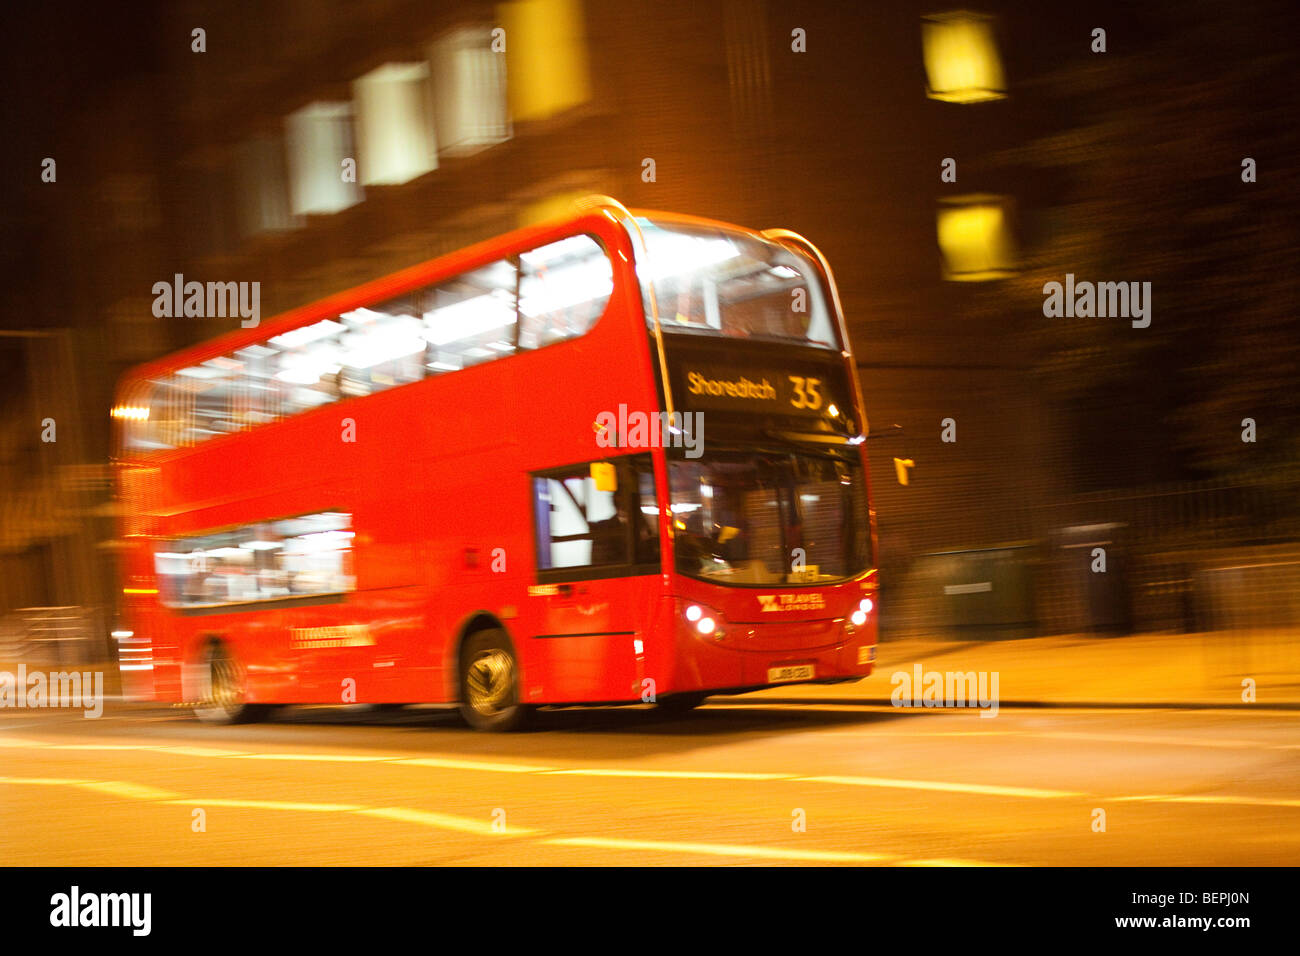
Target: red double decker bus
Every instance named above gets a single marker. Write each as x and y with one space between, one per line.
611 459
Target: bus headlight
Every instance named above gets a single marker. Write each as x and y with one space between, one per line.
858 617
704 621
866 605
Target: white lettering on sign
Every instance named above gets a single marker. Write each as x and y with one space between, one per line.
798 601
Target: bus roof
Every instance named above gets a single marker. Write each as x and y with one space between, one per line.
393 284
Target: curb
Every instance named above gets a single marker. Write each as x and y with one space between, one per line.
1022 704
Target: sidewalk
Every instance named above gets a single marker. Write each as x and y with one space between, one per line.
1199 670
1153 670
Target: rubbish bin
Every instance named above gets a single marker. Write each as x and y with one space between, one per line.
986 593
1096 563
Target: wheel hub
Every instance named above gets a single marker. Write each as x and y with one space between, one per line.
490 678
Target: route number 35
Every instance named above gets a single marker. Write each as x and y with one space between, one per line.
805 392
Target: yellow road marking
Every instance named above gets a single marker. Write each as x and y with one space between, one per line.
673 774
268 805
1230 744
450 764
1240 801
18 742
1207 799
119 788
446 821
722 849
443 821
130 791
324 758
989 789
949 862
200 751
618 772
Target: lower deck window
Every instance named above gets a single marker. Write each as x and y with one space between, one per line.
597 527
289 557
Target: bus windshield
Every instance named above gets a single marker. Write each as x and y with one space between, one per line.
765 519
710 281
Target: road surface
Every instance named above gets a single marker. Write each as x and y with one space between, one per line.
733 783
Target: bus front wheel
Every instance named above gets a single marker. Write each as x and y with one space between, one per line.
489 682
222 698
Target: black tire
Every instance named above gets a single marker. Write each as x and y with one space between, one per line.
222 692
489 682
682 703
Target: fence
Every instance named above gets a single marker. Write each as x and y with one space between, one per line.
52 636
1208 556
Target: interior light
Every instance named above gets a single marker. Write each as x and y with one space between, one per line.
308 333
470 317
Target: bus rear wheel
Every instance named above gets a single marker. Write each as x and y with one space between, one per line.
489 682
222 699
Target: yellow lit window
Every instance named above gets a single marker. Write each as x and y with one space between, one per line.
546 56
975 238
961 58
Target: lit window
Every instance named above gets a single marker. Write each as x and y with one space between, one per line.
469 84
975 238
709 281
563 289
262 189
580 526
546 53
395 135
305 556
463 321
319 139
961 58
471 319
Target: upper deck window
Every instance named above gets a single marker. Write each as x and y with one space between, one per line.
527 301
563 289
713 282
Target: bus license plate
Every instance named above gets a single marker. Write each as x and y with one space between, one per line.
778 675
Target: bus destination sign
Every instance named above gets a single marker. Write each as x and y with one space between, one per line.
812 391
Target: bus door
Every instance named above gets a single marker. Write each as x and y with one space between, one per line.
594 599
